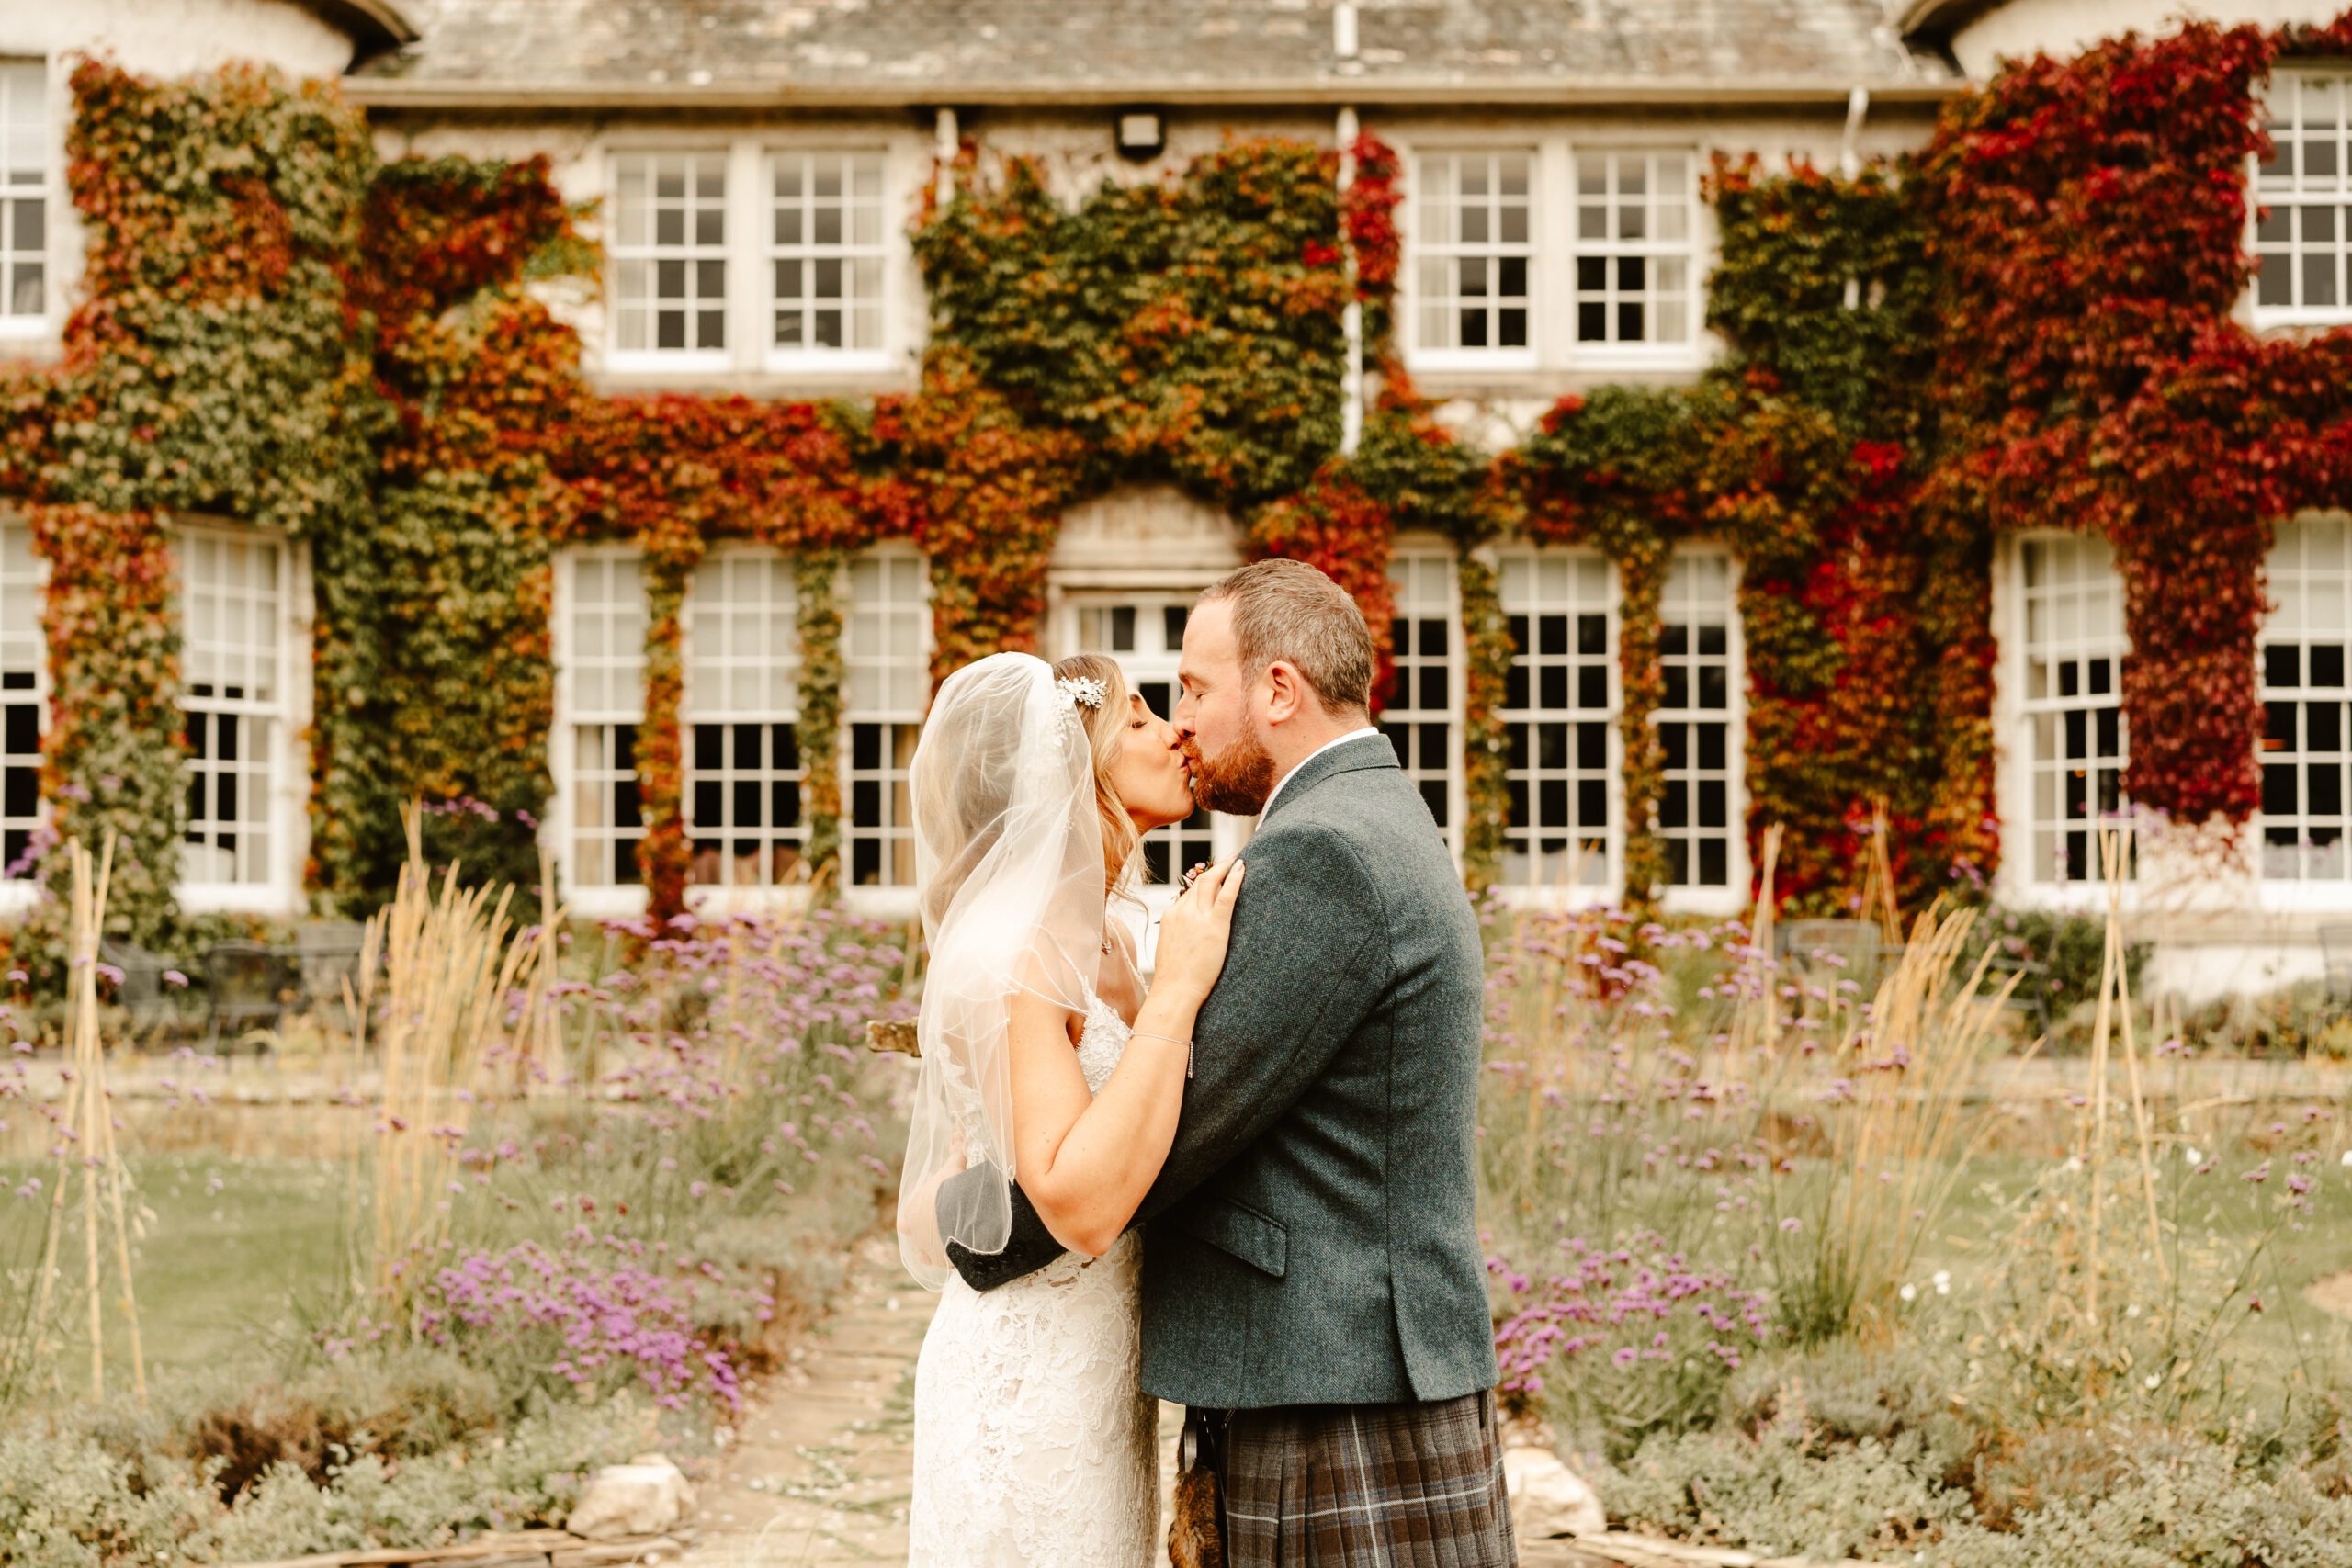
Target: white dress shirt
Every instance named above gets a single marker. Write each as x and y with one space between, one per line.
1342 740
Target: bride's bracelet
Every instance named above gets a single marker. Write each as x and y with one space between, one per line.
1148 1035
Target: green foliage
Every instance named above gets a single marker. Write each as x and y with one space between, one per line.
1188 329
2069 953
73 1499
1822 283
1778 1497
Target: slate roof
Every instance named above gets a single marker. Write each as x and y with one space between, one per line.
921 51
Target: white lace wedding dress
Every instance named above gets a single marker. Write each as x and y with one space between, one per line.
1034 1447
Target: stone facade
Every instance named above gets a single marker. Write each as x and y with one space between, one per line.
838 108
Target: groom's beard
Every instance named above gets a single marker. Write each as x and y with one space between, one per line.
1237 780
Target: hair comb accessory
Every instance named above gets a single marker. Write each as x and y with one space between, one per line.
1082 691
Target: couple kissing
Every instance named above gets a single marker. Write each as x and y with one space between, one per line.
1246 1186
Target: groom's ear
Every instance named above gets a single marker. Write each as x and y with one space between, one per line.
1286 691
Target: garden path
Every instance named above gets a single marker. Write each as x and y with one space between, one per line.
817 1471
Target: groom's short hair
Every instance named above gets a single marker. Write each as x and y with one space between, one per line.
1287 610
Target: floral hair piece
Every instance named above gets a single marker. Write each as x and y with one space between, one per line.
1080 690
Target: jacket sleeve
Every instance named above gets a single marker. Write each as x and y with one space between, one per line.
1308 963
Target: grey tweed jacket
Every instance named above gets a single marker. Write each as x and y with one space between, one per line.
1312 1238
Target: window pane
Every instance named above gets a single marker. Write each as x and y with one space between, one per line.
1559 833
668 243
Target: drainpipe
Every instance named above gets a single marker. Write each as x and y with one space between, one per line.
1849 164
946 141
1849 151
1344 47
1351 317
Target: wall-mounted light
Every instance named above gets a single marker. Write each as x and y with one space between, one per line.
1141 134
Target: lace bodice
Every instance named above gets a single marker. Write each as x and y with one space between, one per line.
1034 1443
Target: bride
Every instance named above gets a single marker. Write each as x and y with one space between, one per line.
1043 1059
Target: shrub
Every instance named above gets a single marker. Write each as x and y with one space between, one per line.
69 1500
1779 1494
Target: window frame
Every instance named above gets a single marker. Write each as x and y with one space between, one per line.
1694 249
695 620
887 250
618 255
20 329
1609 887
2267 317
1433 550
19 893
2306 892
891 897
594 899
1553 347
1697 898
751 352
1408 292
286 771
2017 711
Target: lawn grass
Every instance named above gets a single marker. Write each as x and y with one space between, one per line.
233 1256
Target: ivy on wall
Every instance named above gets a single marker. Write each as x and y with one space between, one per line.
213 369
432 656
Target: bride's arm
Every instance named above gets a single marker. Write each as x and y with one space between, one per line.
1085 1161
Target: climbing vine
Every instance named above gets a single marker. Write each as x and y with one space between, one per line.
2088 223
211 369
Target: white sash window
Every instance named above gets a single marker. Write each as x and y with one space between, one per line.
1422 716
1472 222
743 700
826 253
1697 724
23 698
601 655
236 697
27 148
668 243
1636 255
2070 676
1559 719
887 649
2306 750
2305 189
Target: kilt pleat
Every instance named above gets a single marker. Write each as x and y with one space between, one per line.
1367 1486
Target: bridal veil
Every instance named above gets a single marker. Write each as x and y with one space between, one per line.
1008 880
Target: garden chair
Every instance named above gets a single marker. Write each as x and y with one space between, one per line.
327 953
1827 951
251 985
2336 963
142 993
2030 996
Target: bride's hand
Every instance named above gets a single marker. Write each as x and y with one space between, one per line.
1195 932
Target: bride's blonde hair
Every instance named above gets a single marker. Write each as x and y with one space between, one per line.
1107 734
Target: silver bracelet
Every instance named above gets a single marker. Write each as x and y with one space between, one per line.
1148 1035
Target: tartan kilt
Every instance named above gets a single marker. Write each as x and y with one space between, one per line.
1367 1486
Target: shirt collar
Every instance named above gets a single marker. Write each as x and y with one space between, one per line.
1342 740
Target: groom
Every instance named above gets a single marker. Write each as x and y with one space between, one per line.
1312 1284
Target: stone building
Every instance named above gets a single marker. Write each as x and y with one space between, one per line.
756 163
